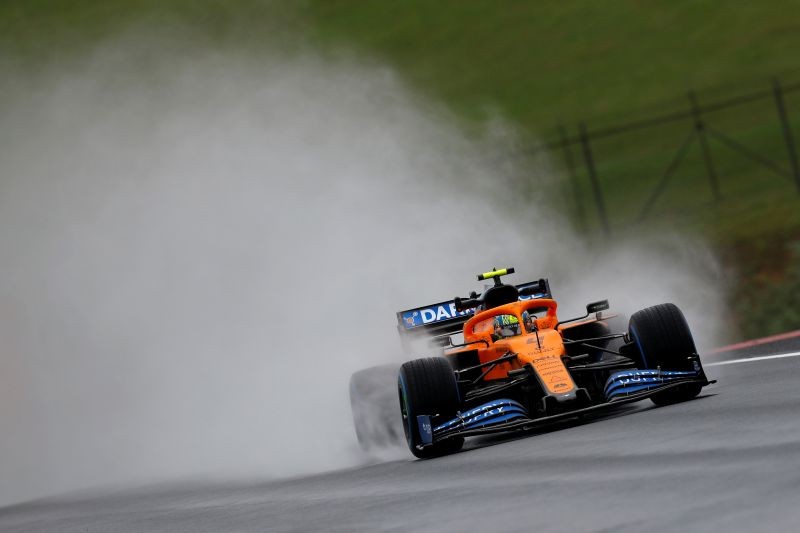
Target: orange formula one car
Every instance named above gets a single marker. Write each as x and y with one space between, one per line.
519 366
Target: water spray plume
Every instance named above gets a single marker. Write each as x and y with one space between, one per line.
198 252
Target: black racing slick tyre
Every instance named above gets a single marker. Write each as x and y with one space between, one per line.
428 387
663 340
373 402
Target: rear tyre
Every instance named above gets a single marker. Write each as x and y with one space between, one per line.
663 340
428 387
374 406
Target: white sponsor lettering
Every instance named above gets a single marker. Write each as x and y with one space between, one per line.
441 312
486 414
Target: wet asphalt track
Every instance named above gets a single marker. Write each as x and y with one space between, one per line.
728 461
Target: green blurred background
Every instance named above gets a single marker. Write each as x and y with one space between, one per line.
545 67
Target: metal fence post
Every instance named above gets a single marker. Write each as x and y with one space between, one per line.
700 127
573 177
787 130
598 194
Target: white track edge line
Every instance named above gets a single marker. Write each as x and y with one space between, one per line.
749 359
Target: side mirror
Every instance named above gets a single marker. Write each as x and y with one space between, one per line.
596 307
462 304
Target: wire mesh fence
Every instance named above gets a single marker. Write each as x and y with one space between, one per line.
675 162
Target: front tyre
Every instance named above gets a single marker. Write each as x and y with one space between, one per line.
663 340
428 387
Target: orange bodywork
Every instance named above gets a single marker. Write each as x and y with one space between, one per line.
543 354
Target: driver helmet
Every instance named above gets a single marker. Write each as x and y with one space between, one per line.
509 322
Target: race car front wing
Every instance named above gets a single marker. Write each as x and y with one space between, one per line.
505 414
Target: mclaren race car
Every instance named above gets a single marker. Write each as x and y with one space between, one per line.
517 365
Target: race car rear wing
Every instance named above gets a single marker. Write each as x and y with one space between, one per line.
442 319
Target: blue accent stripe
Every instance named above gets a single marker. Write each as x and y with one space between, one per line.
496 420
611 387
635 388
629 381
490 413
